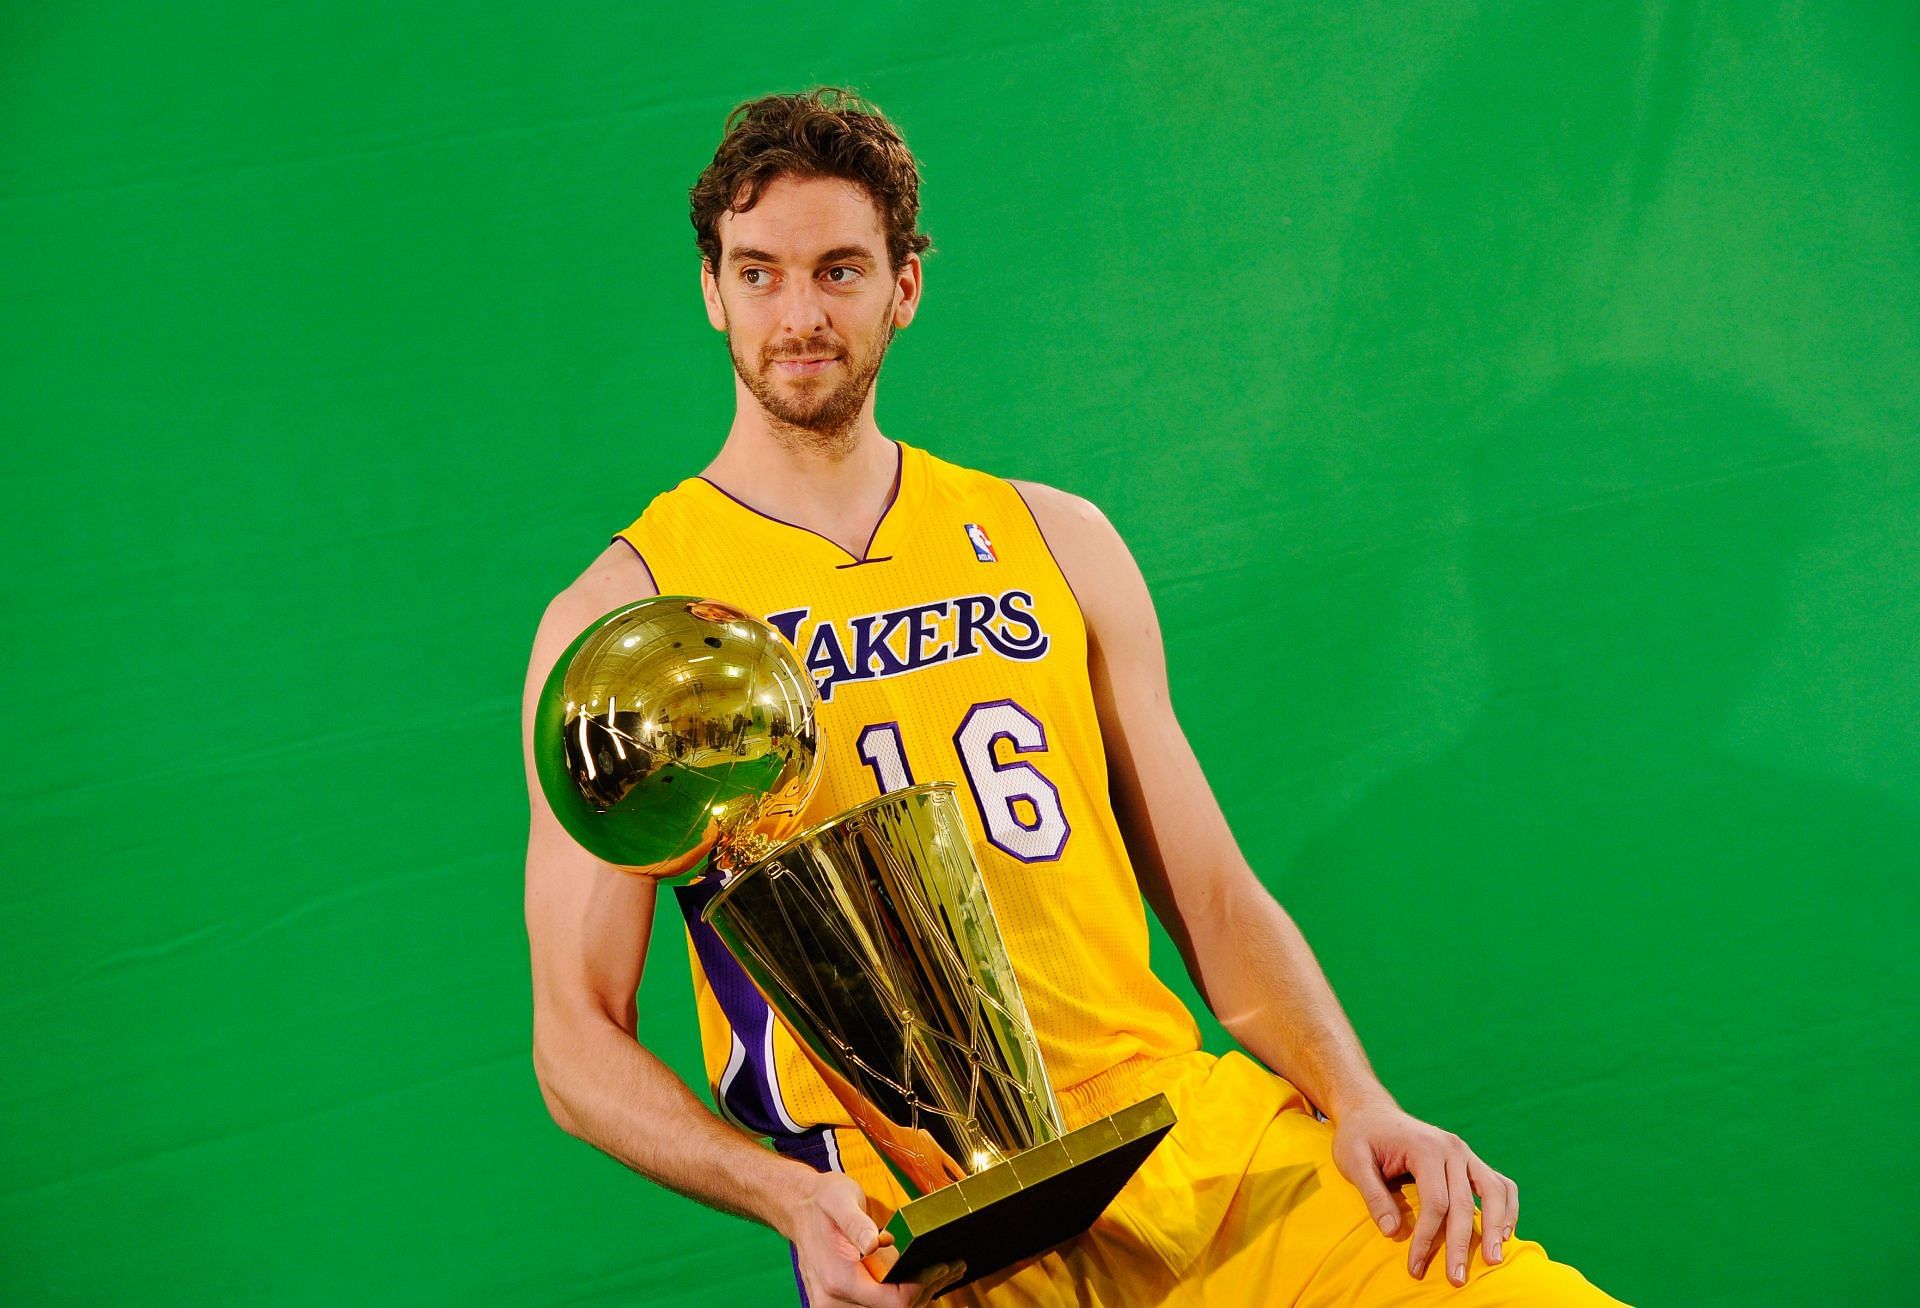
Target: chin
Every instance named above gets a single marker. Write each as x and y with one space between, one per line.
804 415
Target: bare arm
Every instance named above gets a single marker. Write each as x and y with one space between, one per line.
1242 949
587 930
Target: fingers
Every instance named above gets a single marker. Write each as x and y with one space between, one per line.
845 1206
1498 1196
1356 1161
847 1282
937 1279
844 1253
881 1260
1430 1174
1459 1217
852 1285
1448 1180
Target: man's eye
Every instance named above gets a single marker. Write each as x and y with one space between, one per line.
750 274
843 268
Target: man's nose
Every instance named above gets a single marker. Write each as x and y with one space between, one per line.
803 308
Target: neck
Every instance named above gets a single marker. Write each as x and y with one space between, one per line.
835 484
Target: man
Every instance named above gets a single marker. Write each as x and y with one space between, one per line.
960 626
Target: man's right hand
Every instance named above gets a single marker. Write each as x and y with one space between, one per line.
833 1235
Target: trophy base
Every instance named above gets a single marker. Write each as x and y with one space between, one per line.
1031 1202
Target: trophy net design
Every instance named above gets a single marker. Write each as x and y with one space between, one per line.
872 937
875 940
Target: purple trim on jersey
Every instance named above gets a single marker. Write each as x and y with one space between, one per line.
651 580
1066 823
810 1149
750 1096
793 1251
899 475
1050 554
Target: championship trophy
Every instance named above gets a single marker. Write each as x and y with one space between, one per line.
677 723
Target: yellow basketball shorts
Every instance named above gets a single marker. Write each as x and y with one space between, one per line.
1241 1203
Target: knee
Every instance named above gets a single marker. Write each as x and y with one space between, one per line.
1526 1275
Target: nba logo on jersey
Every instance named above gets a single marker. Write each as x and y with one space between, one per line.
982 547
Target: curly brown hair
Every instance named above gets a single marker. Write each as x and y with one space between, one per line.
827 131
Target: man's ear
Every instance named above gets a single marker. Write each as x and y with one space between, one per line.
710 292
906 291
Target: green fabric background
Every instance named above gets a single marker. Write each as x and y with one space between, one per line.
1513 408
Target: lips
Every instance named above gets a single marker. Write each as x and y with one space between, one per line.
803 367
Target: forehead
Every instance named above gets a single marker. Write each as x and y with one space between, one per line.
798 217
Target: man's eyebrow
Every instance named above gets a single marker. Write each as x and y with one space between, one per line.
747 254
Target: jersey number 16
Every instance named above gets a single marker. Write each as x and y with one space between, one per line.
1019 807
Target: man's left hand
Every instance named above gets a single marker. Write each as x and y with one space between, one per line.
1377 1143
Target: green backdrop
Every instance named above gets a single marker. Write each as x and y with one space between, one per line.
1519 400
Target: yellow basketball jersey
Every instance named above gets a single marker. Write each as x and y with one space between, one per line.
954 650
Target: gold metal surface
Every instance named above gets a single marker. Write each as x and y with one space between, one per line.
678 722
674 721
872 937
1030 1203
1033 1168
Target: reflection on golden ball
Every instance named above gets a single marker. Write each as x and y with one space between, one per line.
674 722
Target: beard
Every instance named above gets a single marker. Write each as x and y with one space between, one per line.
810 411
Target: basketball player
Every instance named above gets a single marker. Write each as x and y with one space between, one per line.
964 627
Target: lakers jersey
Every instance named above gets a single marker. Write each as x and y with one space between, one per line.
953 650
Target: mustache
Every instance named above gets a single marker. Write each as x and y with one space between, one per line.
815 351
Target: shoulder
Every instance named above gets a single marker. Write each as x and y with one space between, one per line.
619 566
1054 507
618 575
1079 534
614 578
669 510
1091 555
